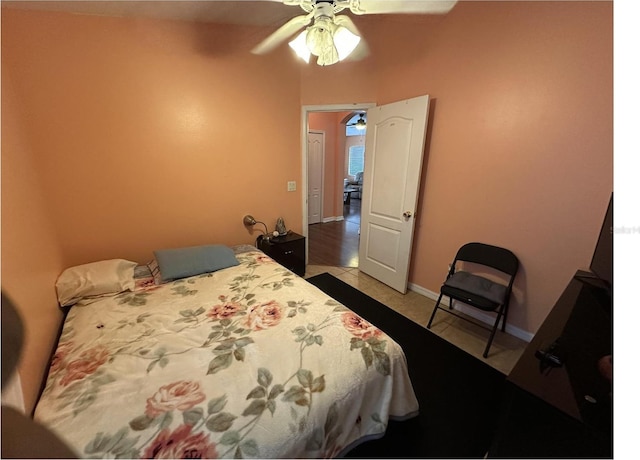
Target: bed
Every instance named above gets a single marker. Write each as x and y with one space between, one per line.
245 361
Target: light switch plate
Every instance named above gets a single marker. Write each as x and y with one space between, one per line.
291 186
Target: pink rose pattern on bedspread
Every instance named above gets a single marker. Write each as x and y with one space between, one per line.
181 444
181 395
194 410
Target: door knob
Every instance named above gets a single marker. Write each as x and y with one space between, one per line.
406 214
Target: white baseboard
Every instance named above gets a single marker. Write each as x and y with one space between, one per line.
326 220
473 312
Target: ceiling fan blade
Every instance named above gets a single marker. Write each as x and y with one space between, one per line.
346 22
403 6
283 33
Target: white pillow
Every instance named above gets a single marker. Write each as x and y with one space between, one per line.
94 279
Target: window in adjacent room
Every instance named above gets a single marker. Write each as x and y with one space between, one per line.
356 160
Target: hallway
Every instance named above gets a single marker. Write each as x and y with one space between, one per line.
336 243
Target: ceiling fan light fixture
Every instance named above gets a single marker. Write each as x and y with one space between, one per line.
320 36
328 58
331 43
328 55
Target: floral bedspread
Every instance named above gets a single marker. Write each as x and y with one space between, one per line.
249 361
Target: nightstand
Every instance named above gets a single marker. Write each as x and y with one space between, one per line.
287 250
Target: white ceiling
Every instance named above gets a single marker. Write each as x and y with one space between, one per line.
257 12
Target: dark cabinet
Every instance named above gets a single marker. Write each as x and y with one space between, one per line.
288 250
559 400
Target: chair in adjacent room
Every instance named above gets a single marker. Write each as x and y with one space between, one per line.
356 184
477 290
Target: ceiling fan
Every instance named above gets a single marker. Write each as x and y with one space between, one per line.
361 123
331 38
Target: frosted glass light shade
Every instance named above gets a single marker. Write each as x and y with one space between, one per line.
299 45
345 41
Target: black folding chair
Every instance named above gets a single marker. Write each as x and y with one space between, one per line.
476 290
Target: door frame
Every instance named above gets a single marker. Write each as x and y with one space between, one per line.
305 110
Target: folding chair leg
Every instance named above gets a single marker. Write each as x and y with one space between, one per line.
493 332
434 311
504 316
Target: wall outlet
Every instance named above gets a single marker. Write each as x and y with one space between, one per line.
291 186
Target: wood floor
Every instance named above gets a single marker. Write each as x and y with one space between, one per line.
336 243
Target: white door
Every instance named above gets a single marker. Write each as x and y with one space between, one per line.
394 149
315 147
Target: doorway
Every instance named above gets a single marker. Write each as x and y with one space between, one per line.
334 241
354 130
394 163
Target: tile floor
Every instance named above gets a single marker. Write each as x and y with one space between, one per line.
504 352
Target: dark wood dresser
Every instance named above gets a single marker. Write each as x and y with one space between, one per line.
558 402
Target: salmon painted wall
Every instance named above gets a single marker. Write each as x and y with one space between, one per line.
151 134
520 149
350 81
31 256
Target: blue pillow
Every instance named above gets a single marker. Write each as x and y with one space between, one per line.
191 261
